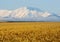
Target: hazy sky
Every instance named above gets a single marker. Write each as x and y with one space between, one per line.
46 5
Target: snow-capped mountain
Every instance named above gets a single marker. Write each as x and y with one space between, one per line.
28 14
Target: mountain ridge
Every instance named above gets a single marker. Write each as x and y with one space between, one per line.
28 14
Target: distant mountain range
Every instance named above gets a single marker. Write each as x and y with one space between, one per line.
28 14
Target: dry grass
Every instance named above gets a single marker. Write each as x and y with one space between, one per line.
30 32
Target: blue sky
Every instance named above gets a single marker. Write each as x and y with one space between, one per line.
46 5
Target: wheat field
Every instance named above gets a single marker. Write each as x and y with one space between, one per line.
30 32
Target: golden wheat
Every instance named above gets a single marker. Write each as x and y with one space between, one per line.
30 32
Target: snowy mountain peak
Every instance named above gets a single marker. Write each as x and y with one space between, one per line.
27 14
21 12
24 11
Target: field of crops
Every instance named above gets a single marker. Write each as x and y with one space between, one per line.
30 32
